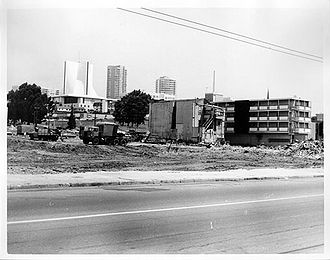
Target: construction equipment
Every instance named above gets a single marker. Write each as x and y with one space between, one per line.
25 129
45 134
103 133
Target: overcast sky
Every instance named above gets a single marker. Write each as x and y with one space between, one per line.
40 40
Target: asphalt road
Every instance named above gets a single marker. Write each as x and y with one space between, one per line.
278 216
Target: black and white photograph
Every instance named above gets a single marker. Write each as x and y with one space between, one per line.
147 129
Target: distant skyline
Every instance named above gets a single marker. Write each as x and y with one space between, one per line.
40 40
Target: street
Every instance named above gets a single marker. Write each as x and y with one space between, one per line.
234 217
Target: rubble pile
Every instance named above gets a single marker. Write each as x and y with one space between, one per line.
314 149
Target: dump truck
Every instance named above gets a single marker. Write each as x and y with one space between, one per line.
45 134
103 133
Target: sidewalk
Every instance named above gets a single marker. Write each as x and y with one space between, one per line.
24 181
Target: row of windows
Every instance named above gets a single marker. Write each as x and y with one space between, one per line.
273 114
279 103
270 125
265 103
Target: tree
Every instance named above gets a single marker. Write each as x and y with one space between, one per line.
27 104
72 120
132 108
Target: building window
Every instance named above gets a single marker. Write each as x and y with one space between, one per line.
263 103
263 114
253 103
70 100
230 114
253 114
284 113
273 113
283 124
253 124
283 102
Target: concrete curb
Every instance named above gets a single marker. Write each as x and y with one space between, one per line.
114 183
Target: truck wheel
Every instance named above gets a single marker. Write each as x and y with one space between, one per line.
123 142
116 142
107 141
85 141
96 140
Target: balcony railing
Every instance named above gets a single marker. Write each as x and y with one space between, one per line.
283 129
303 119
302 130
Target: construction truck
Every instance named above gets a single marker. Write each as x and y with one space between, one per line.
23 129
45 134
103 133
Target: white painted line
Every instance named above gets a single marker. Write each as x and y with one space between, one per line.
159 210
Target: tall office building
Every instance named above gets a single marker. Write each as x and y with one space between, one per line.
116 81
165 85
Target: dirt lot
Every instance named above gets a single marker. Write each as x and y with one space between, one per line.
71 155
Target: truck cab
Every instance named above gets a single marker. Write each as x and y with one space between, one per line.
89 134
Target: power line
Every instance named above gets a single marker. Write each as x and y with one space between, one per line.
221 35
237 34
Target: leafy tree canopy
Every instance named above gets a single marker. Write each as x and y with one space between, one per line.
132 108
28 104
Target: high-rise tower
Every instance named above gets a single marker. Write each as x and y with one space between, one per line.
166 85
116 81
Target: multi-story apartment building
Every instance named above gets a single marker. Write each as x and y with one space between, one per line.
166 85
268 121
116 81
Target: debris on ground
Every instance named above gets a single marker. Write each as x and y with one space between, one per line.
71 155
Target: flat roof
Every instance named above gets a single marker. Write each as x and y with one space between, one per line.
84 96
270 99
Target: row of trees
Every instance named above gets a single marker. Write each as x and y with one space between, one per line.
28 104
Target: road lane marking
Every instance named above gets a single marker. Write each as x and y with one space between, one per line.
159 210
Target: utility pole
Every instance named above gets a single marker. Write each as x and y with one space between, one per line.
267 93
